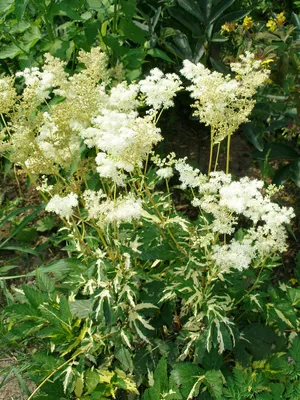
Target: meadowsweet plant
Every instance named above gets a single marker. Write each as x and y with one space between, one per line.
146 287
224 102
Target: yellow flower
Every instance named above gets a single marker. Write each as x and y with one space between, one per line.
271 24
248 22
228 27
280 19
266 63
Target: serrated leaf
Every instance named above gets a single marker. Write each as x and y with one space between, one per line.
92 379
160 382
82 308
214 383
123 355
45 224
33 295
45 283
186 375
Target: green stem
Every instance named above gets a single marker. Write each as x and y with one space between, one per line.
115 17
54 372
211 151
228 153
253 286
217 156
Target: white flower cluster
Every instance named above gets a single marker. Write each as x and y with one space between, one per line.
226 201
63 206
123 97
160 89
222 102
42 81
189 176
165 165
124 140
106 211
8 94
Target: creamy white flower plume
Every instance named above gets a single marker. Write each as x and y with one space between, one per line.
63 206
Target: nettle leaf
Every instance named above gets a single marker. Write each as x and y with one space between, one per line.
188 378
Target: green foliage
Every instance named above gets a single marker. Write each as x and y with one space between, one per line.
32 28
140 309
189 29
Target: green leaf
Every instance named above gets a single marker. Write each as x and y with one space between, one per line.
31 37
186 21
64 8
295 171
186 375
65 311
157 53
276 150
252 133
219 66
123 355
132 32
128 7
20 6
62 49
45 224
282 175
21 249
34 296
22 225
45 283
5 5
214 383
9 51
160 382
181 48
199 50
26 235
92 379
82 308
259 340
219 8
192 7
285 313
